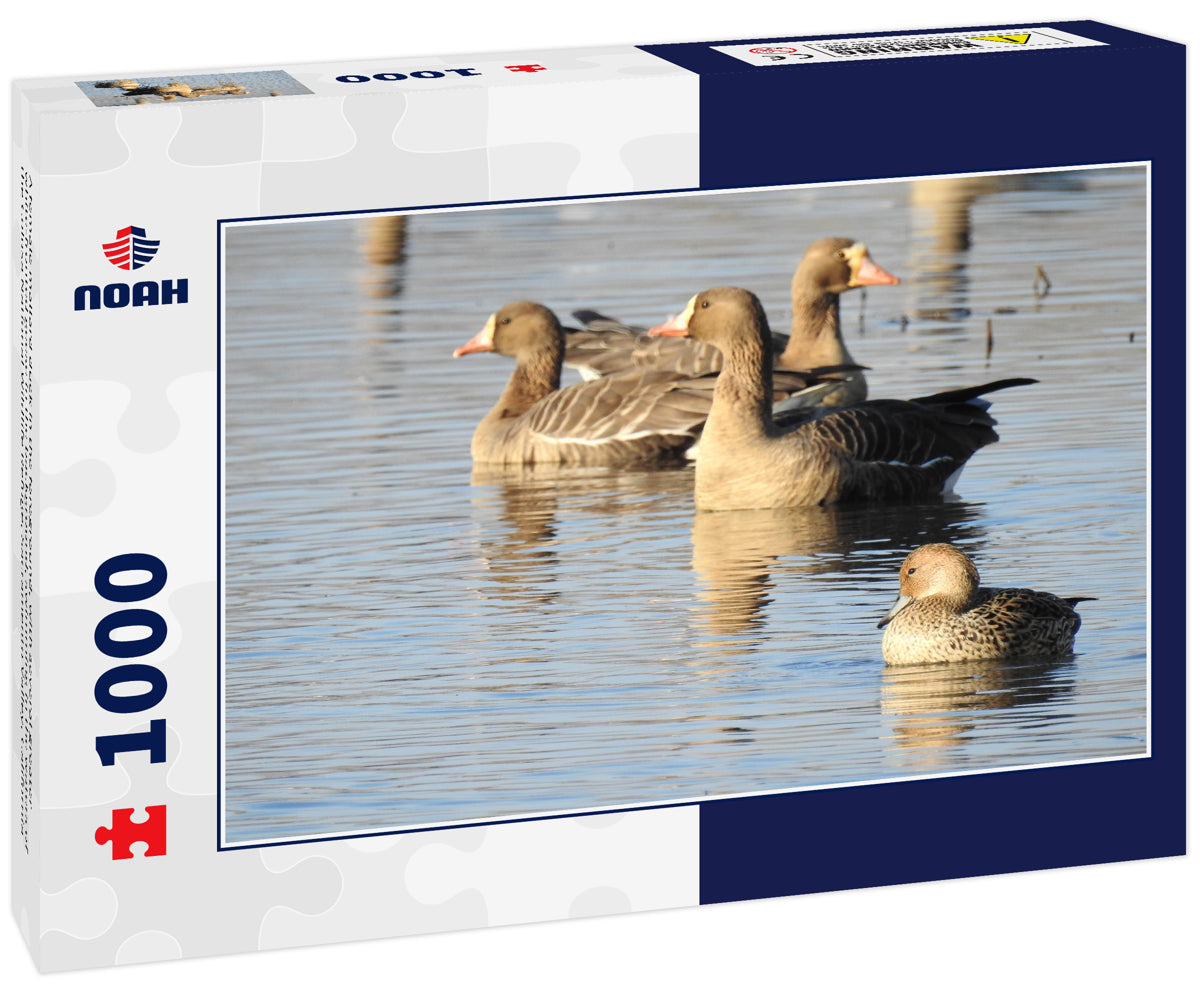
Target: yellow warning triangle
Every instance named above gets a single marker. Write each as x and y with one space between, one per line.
1015 39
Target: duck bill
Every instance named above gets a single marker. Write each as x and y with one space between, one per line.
900 603
677 326
481 341
869 273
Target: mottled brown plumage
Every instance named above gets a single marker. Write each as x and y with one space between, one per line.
640 417
943 615
829 267
879 450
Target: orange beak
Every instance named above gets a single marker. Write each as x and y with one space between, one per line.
869 273
675 327
481 341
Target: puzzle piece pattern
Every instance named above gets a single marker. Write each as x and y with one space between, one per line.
556 868
497 874
147 947
127 421
85 909
374 900
84 489
385 175
125 832
89 442
94 144
191 901
216 135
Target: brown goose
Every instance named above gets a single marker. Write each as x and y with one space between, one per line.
643 416
829 267
879 450
942 614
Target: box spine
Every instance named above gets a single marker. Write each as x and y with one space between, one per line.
26 851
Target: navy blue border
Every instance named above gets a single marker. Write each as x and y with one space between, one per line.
919 115
702 58
1122 102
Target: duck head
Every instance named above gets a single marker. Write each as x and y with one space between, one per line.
936 570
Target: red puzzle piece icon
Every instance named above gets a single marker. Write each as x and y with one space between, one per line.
124 832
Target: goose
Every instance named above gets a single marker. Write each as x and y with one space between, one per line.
941 614
642 416
875 451
829 267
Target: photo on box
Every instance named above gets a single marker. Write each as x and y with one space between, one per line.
529 635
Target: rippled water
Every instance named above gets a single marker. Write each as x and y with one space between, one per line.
411 643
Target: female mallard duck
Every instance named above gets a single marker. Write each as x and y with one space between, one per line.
942 614
829 267
878 450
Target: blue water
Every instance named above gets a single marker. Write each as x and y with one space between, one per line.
409 643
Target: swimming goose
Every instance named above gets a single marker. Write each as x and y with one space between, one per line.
942 614
879 450
829 267
639 417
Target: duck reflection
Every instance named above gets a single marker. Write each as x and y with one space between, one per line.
943 231
519 521
382 241
735 552
936 708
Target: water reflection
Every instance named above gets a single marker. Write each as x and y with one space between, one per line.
516 514
934 709
470 643
734 553
942 224
383 244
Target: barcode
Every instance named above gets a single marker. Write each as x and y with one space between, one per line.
815 51
888 48
26 471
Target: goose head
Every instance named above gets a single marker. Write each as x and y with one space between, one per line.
518 330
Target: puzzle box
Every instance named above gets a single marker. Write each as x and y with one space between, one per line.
364 687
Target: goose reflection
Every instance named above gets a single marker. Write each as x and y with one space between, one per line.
935 709
525 517
736 554
943 230
383 244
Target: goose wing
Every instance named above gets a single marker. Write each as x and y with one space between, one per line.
605 346
643 406
614 350
905 448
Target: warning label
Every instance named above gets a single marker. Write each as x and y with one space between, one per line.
945 43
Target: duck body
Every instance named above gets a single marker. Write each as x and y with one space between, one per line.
875 451
640 417
942 615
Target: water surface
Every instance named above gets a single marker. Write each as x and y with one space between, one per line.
410 642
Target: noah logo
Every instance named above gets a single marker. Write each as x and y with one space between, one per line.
131 250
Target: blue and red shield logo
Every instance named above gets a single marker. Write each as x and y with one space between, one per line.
131 250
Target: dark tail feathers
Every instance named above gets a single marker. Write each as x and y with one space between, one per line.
971 392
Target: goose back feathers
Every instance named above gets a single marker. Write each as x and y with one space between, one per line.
880 450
